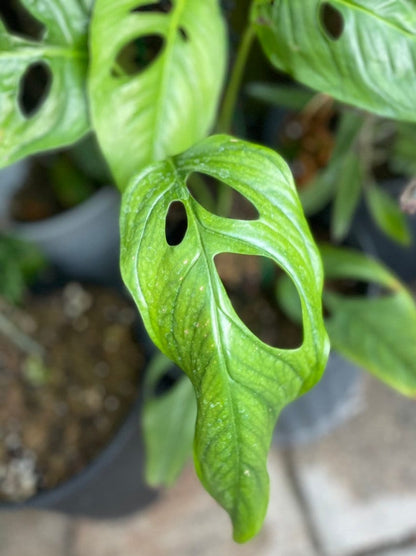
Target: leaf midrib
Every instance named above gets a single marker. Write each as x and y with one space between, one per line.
357 7
221 351
157 152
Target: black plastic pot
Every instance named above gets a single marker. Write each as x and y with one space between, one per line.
82 242
335 399
111 486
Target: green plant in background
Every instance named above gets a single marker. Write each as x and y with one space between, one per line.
147 78
20 264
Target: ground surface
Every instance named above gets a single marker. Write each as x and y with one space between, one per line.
353 493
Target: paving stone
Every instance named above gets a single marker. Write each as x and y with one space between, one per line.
187 522
359 483
33 533
410 551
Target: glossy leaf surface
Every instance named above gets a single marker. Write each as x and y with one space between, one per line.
241 384
361 52
168 423
171 101
62 117
376 333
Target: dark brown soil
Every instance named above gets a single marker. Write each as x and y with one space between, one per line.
58 413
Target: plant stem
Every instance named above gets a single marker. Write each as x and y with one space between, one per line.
19 338
231 94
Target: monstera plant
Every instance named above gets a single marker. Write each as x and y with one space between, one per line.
147 78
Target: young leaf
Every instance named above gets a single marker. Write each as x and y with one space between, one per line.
162 97
168 424
347 195
61 116
241 384
288 96
360 52
403 159
322 189
387 214
377 333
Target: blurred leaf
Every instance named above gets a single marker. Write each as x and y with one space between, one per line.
347 195
403 159
20 262
377 333
387 214
62 117
361 53
166 99
288 299
317 194
168 423
287 96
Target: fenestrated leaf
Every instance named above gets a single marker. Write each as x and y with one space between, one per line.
241 384
62 117
171 103
377 333
168 424
387 214
361 52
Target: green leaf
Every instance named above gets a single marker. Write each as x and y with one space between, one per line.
325 185
377 333
241 384
403 159
359 51
169 104
20 263
387 214
62 118
288 96
168 424
347 195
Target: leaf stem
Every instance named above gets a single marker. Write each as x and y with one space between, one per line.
231 94
19 338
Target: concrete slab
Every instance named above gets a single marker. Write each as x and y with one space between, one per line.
187 522
33 533
359 483
409 551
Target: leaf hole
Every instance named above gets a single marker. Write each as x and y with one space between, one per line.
176 223
183 34
220 198
34 88
167 381
332 20
249 281
137 55
164 6
20 21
